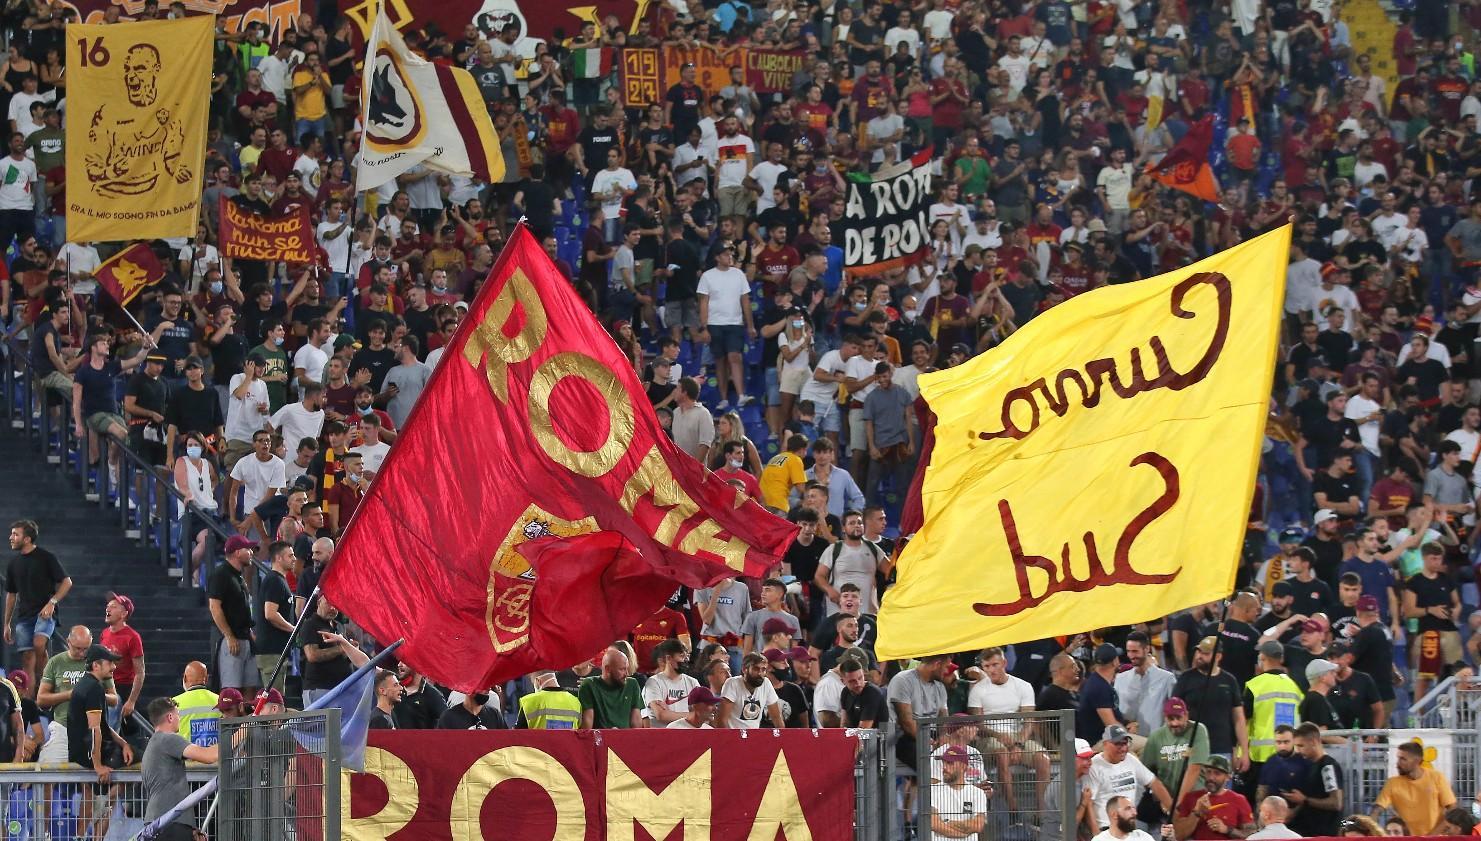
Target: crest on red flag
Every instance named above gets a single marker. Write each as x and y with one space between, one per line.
1186 167
129 272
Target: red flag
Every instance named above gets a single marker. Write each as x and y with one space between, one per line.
1185 167
124 275
532 510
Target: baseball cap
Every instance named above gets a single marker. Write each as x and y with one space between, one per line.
270 696
1292 534
345 340
955 753
194 362
123 601
775 655
1368 604
1174 706
1339 648
228 700
702 695
1282 589
800 654
156 357
1106 653
1218 763
775 626
1318 667
1116 733
1324 515
97 652
1272 649
1312 626
20 677
237 541
1083 749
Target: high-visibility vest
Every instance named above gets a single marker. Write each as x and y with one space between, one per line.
199 719
551 709
1277 701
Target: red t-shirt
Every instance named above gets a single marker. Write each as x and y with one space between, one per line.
753 488
779 261
1244 151
126 643
1233 809
666 624
347 498
948 112
814 118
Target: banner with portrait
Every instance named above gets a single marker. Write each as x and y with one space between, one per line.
136 142
245 235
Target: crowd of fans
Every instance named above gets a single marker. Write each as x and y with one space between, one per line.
703 231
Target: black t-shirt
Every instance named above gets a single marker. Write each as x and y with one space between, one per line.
338 73
421 710
1322 778
804 559
1270 620
1337 488
1096 693
195 411
1054 697
378 361
1315 709
867 34
419 323
458 718
87 695
1238 647
1373 655
228 357
1433 592
795 711
10 702
33 577
253 317
274 589
594 145
1211 702
227 586
382 720
97 387
868 705
827 631
1353 699
1312 596
684 114
1328 559
326 674
149 394
683 281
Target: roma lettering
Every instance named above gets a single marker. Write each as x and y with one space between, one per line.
1062 579
1097 372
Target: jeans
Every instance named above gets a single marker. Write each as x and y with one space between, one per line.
322 127
1365 463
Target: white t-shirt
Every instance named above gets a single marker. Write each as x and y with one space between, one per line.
976 768
821 393
938 23
859 368
750 706
1117 184
16 178
613 181
902 34
1359 406
373 455
1017 67
994 699
20 110
257 476
827 696
312 360
954 803
337 249
1134 835
724 288
1127 778
310 172
242 417
732 166
1303 281
296 423
1343 297
80 258
673 694
765 174
1467 440
683 724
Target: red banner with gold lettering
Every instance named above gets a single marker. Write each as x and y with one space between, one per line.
532 508
245 235
439 785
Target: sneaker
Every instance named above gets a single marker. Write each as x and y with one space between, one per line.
723 406
113 475
746 400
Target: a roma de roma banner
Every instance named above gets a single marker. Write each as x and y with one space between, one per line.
885 221
129 272
616 785
244 235
417 112
1099 463
533 510
1185 167
136 136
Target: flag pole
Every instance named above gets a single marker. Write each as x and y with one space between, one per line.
149 831
283 657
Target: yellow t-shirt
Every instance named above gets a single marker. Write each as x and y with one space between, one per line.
778 477
1421 803
308 104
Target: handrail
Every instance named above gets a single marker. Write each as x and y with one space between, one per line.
18 773
1433 697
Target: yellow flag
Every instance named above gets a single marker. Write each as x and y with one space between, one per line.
136 129
1096 468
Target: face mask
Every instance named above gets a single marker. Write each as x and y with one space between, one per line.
439 289
861 306
278 340
798 324
216 287
365 410
193 451
735 465
480 698
910 315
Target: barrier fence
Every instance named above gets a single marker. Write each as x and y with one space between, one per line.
1367 760
282 779
67 804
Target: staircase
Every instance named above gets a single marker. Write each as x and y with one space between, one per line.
1372 31
93 549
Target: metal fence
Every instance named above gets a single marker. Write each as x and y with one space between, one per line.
1367 760
1017 761
873 774
282 780
69 805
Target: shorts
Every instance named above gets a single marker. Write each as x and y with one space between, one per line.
683 313
337 97
857 440
236 671
235 450
99 422
734 201
266 663
27 630
58 382
793 379
1429 663
151 451
826 417
773 388
727 338
643 272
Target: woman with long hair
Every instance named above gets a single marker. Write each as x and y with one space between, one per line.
195 479
728 427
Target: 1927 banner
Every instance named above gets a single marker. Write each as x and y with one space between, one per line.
435 785
136 143
647 73
885 222
770 71
246 235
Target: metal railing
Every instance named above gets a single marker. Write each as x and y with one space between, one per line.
1450 705
1018 761
1367 761
63 803
282 779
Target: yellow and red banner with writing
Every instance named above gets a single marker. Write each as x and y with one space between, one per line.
1096 468
286 237
136 139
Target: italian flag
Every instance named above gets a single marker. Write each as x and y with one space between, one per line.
591 63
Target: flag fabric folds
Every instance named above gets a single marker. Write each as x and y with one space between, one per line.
591 63
415 112
533 509
129 272
1186 167
136 134
1100 462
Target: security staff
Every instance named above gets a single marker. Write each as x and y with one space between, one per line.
549 707
1271 699
199 718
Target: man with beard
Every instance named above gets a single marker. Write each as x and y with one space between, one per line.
1121 825
1318 797
1216 812
1178 750
1355 699
1285 769
1063 691
611 699
793 703
746 695
1213 698
1321 676
1280 622
1117 775
1142 689
665 691
958 810
421 705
